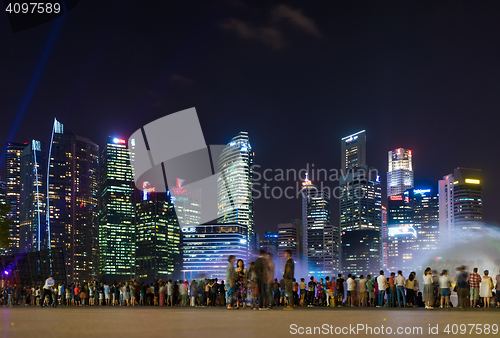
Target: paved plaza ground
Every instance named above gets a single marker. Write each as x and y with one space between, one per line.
145 322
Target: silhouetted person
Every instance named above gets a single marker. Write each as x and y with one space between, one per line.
262 270
288 277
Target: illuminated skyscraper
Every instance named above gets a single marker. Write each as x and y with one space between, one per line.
400 174
289 238
73 191
206 248
426 218
187 203
158 239
116 218
460 202
353 151
413 227
270 243
361 211
13 189
3 191
321 244
402 236
384 237
33 235
235 201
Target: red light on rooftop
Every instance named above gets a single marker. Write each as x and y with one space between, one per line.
119 140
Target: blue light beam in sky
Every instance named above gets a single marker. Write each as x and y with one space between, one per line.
49 45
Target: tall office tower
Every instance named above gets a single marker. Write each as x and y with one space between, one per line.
460 203
402 236
73 194
187 203
321 251
3 191
13 192
425 218
116 218
206 248
33 235
361 221
234 200
289 238
384 237
270 243
400 174
158 239
353 151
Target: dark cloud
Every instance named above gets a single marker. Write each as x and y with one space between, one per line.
266 34
295 16
270 32
182 80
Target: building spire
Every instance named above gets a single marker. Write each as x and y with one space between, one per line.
307 181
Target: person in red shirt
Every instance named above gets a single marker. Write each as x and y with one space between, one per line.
391 295
474 280
77 296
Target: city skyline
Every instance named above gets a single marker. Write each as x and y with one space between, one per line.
391 87
203 156
260 229
153 244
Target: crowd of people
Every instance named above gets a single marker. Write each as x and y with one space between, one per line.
256 288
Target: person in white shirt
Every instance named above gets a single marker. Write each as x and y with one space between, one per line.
124 294
428 296
382 285
400 284
47 290
170 292
350 290
362 291
445 285
37 296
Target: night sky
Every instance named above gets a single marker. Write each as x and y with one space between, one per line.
298 76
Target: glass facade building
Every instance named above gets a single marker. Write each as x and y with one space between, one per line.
116 218
270 243
413 218
400 173
460 203
33 234
73 194
426 218
361 252
13 189
289 238
384 237
3 191
353 151
157 237
235 183
320 241
361 210
207 247
187 203
402 236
